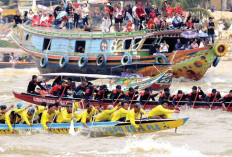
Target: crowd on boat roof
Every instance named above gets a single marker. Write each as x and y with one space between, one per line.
124 18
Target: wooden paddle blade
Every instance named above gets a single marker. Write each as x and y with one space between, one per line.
71 129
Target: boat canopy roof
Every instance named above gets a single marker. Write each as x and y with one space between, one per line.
82 75
139 65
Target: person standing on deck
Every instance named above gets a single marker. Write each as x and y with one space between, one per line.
165 95
179 97
161 111
48 116
141 14
215 96
211 27
146 96
118 14
32 85
120 115
134 114
227 98
195 95
117 94
85 15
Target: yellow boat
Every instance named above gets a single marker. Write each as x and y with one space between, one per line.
101 128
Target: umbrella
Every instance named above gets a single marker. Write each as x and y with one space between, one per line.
61 14
189 34
203 35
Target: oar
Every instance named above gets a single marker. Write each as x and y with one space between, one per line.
179 101
103 97
229 105
213 101
46 86
195 99
91 97
132 100
147 99
32 121
52 121
117 99
140 122
71 129
92 122
62 94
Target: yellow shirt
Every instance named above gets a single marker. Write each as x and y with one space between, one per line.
2 117
84 115
120 114
131 116
106 115
76 106
7 121
20 111
160 110
26 118
39 111
65 117
46 118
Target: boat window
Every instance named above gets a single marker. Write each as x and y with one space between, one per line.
148 42
127 44
47 44
136 42
80 46
27 37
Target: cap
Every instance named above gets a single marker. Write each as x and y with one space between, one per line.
166 89
138 105
90 83
108 4
69 105
139 3
57 104
131 89
147 89
20 105
76 4
194 88
118 87
110 107
34 76
211 18
104 86
101 87
2 107
31 110
214 90
180 92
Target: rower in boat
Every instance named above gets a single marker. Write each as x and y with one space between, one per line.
89 93
132 94
58 110
214 96
57 81
27 116
81 88
12 118
134 114
227 98
48 116
161 111
120 115
165 95
88 114
39 111
54 90
3 110
196 95
20 108
102 94
180 96
107 114
147 95
71 84
117 94
32 85
63 89
66 114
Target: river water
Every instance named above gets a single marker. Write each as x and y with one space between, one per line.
207 133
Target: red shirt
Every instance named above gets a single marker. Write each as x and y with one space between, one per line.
190 25
179 10
150 25
108 9
55 89
152 15
169 11
140 12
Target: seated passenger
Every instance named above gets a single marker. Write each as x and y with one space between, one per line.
48 116
215 96
35 20
194 45
176 20
44 20
179 97
12 118
28 116
3 111
190 25
151 24
165 96
134 114
120 115
32 85
117 94
202 43
161 111
66 114
154 48
179 46
107 114
164 47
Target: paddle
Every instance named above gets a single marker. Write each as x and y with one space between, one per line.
71 129
103 97
92 122
195 99
52 121
147 99
140 122
32 121
229 105
179 101
62 94
91 97
117 99
213 101
132 100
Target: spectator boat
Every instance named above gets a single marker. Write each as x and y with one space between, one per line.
56 50
101 128
17 65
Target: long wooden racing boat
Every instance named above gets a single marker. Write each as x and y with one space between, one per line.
183 105
102 128
17 65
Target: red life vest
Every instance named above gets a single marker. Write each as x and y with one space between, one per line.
55 89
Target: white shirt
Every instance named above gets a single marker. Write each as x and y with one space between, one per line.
201 45
169 20
85 12
165 48
30 16
134 11
220 27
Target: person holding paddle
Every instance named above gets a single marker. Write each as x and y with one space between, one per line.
179 97
32 85
27 116
66 114
227 98
146 96
12 118
102 94
117 94
3 110
196 95
215 96
165 95
107 114
120 115
89 93
48 116
132 94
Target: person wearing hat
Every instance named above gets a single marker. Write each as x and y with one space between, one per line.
120 115
48 116
147 95
227 99
66 114
161 111
28 116
12 118
117 94
107 114
180 96
211 27
102 94
32 85
134 114
88 114
89 93
141 14
35 20
20 108
165 95
3 110
214 96
196 95
132 94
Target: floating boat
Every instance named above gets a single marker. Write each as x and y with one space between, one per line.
69 51
183 105
17 65
102 128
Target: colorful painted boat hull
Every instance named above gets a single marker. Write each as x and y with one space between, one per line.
101 128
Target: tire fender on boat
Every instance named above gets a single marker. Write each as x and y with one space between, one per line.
101 60
216 61
161 59
126 59
83 61
44 61
64 60
220 49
